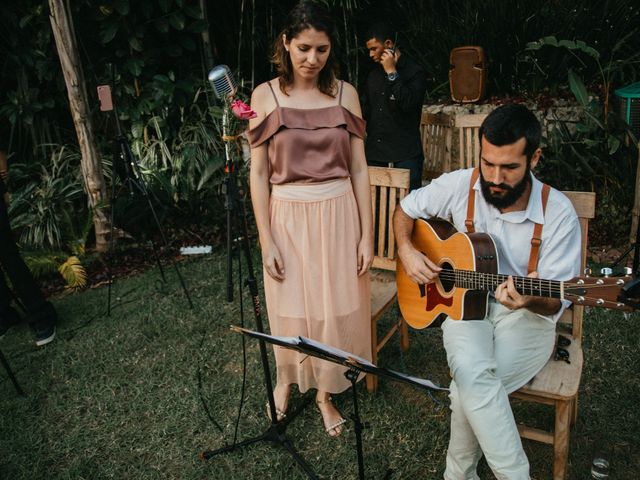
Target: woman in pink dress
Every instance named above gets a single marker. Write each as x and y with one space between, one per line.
311 200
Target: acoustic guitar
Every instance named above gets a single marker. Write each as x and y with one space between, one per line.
469 263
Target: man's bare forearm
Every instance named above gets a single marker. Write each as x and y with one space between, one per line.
402 228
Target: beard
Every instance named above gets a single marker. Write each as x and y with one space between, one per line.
509 196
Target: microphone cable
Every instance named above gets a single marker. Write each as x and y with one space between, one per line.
244 345
200 394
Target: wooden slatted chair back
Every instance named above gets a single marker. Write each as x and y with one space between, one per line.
436 132
468 126
388 187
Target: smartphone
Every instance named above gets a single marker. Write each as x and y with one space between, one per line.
395 44
104 95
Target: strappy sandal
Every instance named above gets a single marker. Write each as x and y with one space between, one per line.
334 427
280 414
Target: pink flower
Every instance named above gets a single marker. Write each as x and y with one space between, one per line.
242 111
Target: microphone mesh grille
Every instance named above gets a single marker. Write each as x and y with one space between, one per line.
222 81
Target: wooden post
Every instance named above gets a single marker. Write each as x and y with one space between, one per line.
94 183
635 213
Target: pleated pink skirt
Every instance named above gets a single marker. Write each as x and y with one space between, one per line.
317 229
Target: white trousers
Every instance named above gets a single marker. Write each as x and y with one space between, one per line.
489 359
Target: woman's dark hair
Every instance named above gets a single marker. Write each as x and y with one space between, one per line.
307 14
508 124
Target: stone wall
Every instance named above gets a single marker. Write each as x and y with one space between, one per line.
560 109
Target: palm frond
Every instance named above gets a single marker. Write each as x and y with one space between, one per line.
73 273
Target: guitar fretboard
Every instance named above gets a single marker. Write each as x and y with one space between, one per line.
536 287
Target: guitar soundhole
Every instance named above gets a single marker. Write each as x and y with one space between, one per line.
447 278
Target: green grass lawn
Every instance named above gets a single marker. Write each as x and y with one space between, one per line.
119 397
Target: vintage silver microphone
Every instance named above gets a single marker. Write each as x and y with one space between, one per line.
224 85
225 88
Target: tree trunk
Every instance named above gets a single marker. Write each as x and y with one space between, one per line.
95 186
206 39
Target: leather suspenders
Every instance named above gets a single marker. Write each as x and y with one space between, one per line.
536 239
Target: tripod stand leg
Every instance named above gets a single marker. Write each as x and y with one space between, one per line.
112 206
166 244
273 434
12 377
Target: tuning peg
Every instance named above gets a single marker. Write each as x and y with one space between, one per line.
587 272
606 271
628 271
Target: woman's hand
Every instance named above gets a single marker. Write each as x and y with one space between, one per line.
365 254
272 261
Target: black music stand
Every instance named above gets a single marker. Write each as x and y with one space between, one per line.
356 366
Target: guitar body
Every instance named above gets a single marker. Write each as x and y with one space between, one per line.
421 305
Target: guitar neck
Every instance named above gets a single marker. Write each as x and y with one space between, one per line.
535 287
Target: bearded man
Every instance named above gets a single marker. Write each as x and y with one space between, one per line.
493 356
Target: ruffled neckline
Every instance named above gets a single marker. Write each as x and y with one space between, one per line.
306 119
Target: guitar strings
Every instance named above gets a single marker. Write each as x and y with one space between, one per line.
494 279
526 283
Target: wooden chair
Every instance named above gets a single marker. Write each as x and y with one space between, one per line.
436 132
558 382
388 187
468 126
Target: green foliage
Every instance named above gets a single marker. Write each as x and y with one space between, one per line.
31 96
43 263
45 210
151 50
186 162
593 153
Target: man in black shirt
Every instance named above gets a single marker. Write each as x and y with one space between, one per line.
41 314
394 92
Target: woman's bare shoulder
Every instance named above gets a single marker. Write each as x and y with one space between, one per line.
350 99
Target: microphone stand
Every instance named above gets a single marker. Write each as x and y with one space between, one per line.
276 432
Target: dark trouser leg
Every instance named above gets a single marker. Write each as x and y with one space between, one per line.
415 166
40 311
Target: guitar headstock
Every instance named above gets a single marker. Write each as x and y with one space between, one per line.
607 292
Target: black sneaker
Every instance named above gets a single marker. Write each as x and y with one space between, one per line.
8 319
45 334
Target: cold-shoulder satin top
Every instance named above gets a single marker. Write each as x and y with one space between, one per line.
308 145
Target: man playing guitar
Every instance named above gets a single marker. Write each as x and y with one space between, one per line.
536 233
